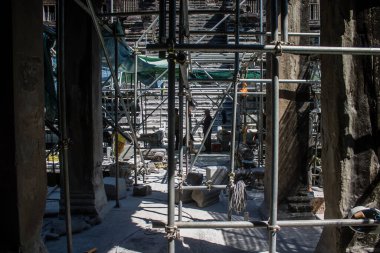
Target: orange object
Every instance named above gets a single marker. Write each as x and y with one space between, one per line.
244 89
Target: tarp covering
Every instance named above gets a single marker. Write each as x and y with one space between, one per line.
150 67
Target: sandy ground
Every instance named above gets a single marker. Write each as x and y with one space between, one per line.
129 228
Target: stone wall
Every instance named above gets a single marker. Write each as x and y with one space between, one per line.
83 112
350 119
22 170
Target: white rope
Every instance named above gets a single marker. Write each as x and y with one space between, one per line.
238 197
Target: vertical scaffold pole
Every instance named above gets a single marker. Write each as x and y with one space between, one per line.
234 116
275 132
135 114
63 121
116 118
187 150
261 98
170 229
284 21
162 25
181 104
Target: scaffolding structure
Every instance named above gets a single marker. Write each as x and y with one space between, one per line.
179 52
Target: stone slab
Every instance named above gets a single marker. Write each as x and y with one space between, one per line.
217 174
205 198
142 190
110 187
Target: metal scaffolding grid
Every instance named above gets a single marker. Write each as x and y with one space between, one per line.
170 46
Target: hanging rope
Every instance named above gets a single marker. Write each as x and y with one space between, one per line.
238 197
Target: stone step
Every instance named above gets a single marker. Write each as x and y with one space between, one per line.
297 216
299 199
299 207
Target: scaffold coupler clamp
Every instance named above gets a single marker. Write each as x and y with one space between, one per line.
136 51
172 233
278 48
231 180
171 50
180 185
209 184
274 228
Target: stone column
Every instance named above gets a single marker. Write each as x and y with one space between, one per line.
84 118
350 119
293 144
22 147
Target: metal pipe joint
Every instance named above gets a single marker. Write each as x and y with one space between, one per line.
172 232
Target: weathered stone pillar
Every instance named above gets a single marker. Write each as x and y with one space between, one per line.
293 108
22 147
84 118
350 119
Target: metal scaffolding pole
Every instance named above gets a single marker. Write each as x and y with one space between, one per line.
284 21
135 112
275 133
111 11
210 80
235 102
220 69
187 151
162 26
222 93
201 187
63 122
182 76
281 81
266 224
293 34
149 13
116 109
274 49
180 143
170 229
299 34
261 98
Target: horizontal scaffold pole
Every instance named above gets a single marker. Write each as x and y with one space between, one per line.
281 81
200 187
256 80
265 224
275 49
149 13
231 92
197 32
